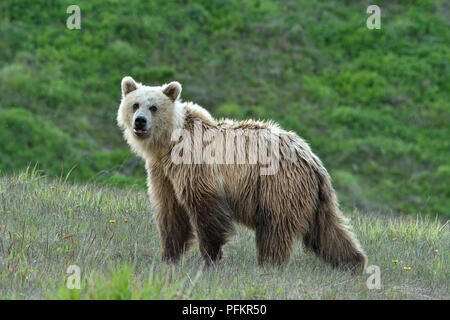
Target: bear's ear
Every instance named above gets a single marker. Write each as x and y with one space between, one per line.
128 85
172 90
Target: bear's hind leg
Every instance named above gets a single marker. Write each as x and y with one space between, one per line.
274 239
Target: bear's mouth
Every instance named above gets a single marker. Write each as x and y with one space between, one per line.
140 132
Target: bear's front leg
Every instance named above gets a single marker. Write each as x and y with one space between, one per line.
175 230
213 223
175 233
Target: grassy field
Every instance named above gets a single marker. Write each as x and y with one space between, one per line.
47 225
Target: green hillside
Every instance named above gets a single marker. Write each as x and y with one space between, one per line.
374 104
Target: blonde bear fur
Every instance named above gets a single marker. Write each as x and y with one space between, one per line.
203 200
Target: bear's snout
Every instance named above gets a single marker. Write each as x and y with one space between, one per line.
140 122
140 126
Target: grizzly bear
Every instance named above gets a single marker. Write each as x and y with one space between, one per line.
224 171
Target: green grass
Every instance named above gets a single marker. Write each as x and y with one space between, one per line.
47 225
374 104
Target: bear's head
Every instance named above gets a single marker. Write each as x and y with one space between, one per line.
148 115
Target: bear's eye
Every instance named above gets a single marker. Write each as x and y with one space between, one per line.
135 106
153 108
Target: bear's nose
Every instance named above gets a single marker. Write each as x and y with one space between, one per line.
140 122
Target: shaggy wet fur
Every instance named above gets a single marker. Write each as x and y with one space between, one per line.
203 201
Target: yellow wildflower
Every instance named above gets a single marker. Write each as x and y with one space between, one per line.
393 239
395 261
52 187
406 268
112 221
125 220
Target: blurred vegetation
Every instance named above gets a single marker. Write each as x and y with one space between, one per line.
374 104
